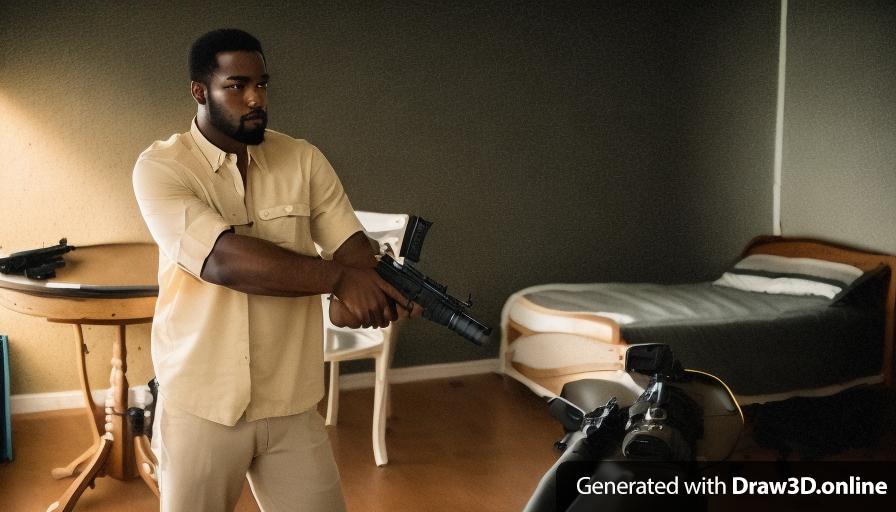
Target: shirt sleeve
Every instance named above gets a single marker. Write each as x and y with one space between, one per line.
333 220
184 226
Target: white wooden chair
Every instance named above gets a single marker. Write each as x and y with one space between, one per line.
343 344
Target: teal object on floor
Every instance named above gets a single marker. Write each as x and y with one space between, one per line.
5 421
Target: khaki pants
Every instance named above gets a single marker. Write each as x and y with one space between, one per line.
202 464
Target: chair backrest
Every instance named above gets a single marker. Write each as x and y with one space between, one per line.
386 228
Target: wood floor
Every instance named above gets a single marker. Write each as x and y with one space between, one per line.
451 444
476 443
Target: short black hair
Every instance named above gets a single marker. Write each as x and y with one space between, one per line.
204 52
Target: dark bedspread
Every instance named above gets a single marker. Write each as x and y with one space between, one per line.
757 343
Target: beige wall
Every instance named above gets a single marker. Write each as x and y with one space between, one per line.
76 110
59 183
547 141
599 141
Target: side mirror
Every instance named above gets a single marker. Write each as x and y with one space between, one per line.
567 413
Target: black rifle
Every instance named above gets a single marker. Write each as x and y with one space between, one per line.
36 263
433 297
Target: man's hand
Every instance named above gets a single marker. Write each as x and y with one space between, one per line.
340 315
360 253
416 311
370 299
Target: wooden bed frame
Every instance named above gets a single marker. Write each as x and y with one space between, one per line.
606 330
810 248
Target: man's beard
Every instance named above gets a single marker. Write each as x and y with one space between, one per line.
251 136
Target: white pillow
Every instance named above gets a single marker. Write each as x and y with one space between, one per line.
780 275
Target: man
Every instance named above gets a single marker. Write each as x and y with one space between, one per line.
236 211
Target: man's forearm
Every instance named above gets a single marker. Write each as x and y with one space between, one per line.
256 266
357 251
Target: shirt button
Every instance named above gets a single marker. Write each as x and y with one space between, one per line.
288 208
265 214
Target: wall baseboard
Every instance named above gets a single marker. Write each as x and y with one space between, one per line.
139 395
38 402
418 373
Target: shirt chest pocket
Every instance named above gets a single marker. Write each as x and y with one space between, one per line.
287 225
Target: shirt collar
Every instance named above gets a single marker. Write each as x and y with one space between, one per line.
212 153
256 154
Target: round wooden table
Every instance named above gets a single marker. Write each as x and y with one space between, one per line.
111 284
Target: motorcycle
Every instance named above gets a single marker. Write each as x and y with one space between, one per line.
627 451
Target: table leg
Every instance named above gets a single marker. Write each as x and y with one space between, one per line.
114 453
67 501
91 413
147 463
74 468
122 465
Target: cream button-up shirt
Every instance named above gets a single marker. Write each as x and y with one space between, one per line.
219 353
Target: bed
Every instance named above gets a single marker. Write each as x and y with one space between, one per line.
765 343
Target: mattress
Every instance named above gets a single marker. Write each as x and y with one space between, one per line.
759 344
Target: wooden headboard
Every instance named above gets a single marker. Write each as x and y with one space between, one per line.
820 249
